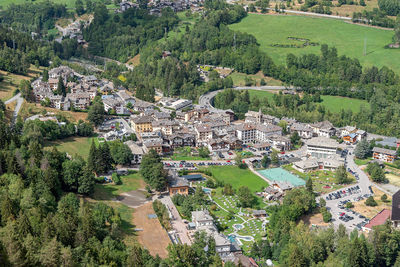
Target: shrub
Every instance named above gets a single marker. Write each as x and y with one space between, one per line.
210 183
116 179
384 198
349 205
371 202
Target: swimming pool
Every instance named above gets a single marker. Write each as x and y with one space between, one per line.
238 226
207 191
282 175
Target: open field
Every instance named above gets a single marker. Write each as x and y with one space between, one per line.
73 145
29 109
393 175
153 237
361 162
347 38
314 219
130 182
238 177
11 81
370 212
336 103
68 3
238 79
261 94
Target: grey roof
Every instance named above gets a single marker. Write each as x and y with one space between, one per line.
135 148
178 182
201 215
388 141
259 212
323 142
396 206
268 128
142 119
384 151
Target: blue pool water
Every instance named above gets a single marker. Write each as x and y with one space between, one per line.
282 175
207 191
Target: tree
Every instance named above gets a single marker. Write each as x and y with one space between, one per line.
50 254
152 170
371 202
265 161
61 87
96 113
341 175
80 10
326 216
239 162
384 198
26 90
362 150
121 153
104 158
204 152
376 172
228 190
349 205
274 158
45 77
116 179
86 182
246 197
362 3
309 185
322 202
295 138
92 158
396 36
284 125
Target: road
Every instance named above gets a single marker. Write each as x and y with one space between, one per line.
312 14
363 183
19 100
176 221
205 100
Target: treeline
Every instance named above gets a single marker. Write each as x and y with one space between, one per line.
32 17
120 36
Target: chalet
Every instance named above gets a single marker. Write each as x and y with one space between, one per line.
204 133
262 146
383 154
178 185
156 145
126 98
347 130
233 142
280 143
217 145
323 128
303 130
136 150
115 104
350 138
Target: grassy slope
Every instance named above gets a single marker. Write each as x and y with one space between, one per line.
238 177
68 3
337 103
130 182
332 103
347 38
73 145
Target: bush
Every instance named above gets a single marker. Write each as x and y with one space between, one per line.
210 183
327 216
349 205
116 179
384 198
371 202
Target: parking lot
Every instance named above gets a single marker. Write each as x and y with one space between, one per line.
194 164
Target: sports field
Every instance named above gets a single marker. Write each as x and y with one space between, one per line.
238 177
347 38
281 175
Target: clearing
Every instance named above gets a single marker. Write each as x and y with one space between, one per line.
238 177
11 81
393 175
29 109
152 236
336 103
238 79
347 38
370 212
73 145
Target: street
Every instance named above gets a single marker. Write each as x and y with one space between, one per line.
19 100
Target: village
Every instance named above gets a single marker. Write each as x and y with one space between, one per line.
215 137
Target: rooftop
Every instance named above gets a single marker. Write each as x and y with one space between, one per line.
379 218
384 151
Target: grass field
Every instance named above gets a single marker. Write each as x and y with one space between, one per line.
68 3
238 79
11 81
336 103
73 145
238 177
347 38
361 162
130 182
29 109
261 94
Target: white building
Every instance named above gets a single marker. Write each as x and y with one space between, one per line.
322 147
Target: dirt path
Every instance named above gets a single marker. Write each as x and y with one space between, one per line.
153 237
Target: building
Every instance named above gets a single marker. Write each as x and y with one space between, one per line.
389 142
350 138
204 133
178 185
330 163
383 154
378 219
323 128
137 152
322 147
142 124
303 130
347 130
259 213
246 133
202 218
395 215
127 98
217 145
156 145
111 103
263 132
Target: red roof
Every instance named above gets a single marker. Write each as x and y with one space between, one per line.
379 218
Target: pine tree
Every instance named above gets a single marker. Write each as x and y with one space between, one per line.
105 158
45 75
92 158
61 87
309 185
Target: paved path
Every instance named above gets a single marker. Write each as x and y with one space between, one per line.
19 100
176 221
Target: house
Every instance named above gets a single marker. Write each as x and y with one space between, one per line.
91 79
350 138
378 219
142 106
217 145
202 218
126 98
347 130
260 118
330 163
361 135
280 143
264 131
111 103
178 186
303 130
204 133
142 124
79 101
395 215
262 146
156 145
259 213
323 128
383 154
322 147
136 150
233 142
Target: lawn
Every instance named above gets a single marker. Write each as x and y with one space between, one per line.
29 109
336 103
261 94
238 177
361 162
11 81
130 182
73 145
347 38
